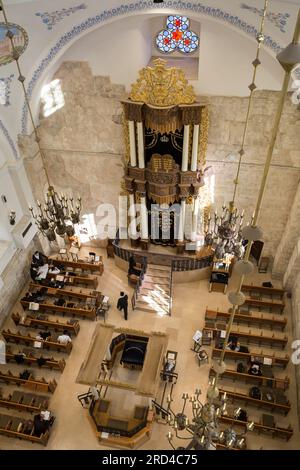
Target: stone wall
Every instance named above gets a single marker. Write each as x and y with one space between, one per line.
84 147
14 277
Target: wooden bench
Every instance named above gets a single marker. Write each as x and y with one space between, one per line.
29 359
283 433
29 340
34 322
269 291
259 320
73 311
237 355
253 337
24 402
83 265
270 305
258 403
259 380
9 426
33 384
83 280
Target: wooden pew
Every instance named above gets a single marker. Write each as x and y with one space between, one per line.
75 294
85 281
46 324
33 384
83 265
258 403
255 338
259 319
259 380
22 401
237 355
29 340
270 305
10 424
283 433
270 291
74 311
29 359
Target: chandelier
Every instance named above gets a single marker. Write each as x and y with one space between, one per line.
59 214
224 232
203 429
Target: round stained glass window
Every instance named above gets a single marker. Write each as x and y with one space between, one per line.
177 36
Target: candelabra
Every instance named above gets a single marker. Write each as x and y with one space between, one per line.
225 232
58 216
202 430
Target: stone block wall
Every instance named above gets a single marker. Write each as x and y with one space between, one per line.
84 148
14 277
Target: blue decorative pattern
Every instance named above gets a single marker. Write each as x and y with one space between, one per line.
54 17
133 8
278 19
9 139
5 90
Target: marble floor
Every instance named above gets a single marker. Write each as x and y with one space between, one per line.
73 429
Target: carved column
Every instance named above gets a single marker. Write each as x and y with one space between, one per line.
185 149
144 219
132 143
181 222
141 155
132 214
194 221
195 148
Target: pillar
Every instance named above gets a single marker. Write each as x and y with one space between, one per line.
195 220
144 219
185 149
195 148
132 143
181 222
140 133
132 215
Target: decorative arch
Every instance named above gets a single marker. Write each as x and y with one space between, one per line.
9 139
123 10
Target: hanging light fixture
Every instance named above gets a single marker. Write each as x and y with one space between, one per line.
224 231
203 429
59 214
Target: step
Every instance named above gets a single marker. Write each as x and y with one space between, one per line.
159 267
148 286
157 280
139 305
158 273
151 292
154 298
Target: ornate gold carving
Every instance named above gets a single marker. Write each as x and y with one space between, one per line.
126 139
203 138
189 200
162 86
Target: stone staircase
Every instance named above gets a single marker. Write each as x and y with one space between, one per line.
155 292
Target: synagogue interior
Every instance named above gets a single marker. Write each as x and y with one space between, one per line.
149 225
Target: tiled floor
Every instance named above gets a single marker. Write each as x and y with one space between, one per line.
73 429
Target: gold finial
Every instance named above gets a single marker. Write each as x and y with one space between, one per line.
162 86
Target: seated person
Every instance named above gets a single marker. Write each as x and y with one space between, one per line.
233 344
43 336
133 269
40 425
29 297
53 270
64 338
254 369
34 272
39 259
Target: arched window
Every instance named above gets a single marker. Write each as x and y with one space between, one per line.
177 36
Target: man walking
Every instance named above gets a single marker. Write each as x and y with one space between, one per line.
123 304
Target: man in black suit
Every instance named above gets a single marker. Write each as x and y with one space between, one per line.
123 304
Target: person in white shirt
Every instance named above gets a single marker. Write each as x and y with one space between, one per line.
64 338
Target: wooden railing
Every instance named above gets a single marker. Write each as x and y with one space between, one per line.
138 284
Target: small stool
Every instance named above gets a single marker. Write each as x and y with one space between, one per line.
63 253
202 357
